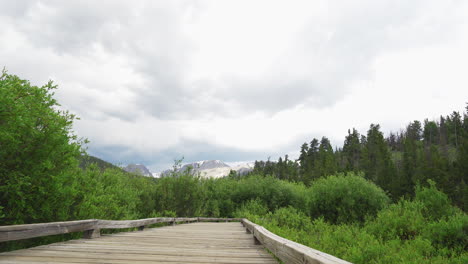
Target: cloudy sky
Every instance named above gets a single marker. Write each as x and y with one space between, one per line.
153 81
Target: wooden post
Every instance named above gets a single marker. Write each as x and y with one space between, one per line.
256 241
93 233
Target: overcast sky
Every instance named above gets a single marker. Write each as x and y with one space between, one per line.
153 81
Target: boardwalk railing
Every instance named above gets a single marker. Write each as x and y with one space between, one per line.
286 250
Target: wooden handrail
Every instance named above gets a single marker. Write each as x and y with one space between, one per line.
286 250
90 227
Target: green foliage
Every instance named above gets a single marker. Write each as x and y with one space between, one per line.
449 233
251 209
436 203
359 244
402 221
352 151
37 150
109 194
183 194
289 217
345 198
274 193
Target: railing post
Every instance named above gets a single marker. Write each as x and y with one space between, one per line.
93 233
256 241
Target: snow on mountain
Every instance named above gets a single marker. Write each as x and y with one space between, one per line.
205 165
214 168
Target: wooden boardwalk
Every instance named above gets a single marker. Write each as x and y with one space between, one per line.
188 243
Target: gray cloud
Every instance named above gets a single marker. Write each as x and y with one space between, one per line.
327 56
144 61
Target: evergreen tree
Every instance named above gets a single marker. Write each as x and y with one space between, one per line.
376 160
309 167
430 132
352 151
326 162
303 159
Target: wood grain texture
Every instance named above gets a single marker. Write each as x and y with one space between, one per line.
16 232
200 242
289 251
91 227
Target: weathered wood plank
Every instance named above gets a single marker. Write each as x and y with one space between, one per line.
16 232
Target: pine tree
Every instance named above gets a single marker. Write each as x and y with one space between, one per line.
326 162
376 160
352 151
430 132
309 167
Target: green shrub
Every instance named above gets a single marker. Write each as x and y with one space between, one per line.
251 209
183 194
290 217
451 232
273 192
219 195
345 198
436 203
403 220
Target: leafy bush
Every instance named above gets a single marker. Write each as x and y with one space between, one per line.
38 149
436 203
108 194
345 198
219 197
403 220
251 209
451 233
183 194
290 217
273 192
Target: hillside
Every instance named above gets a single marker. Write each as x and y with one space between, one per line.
87 160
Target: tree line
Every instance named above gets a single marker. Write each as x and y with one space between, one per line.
428 150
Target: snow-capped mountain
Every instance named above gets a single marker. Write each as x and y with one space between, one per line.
204 168
213 168
139 169
205 165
